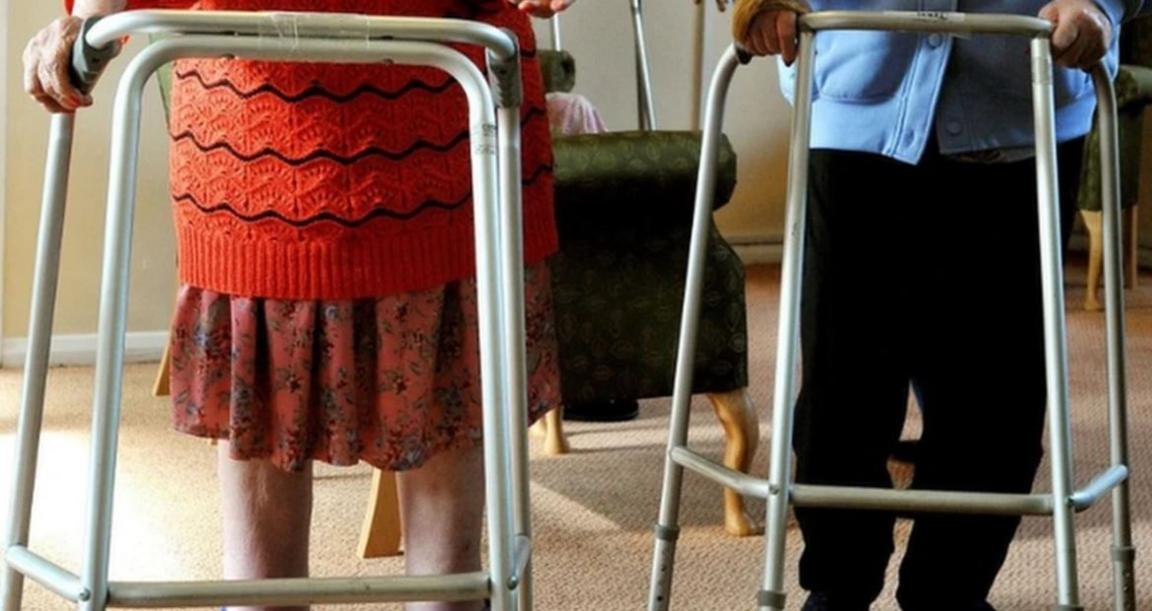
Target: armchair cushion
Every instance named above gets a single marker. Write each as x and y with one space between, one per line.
634 175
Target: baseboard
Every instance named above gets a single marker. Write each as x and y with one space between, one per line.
755 250
139 347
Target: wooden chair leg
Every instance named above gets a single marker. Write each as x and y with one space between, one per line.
742 433
550 430
160 386
1131 247
380 535
1094 223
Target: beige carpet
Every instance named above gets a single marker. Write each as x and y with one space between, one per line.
593 508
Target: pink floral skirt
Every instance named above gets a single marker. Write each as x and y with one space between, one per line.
389 381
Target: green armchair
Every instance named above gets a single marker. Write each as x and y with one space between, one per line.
1133 94
624 205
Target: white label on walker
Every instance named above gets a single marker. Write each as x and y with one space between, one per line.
939 16
486 145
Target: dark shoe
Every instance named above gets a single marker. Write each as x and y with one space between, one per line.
602 411
824 601
906 451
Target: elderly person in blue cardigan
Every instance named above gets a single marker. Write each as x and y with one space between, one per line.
922 267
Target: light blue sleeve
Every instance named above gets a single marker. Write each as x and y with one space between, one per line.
1119 11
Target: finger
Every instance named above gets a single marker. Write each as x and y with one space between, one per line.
51 105
751 42
62 71
1063 38
768 39
1080 54
786 30
52 86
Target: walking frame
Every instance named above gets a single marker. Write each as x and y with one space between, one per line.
495 138
778 489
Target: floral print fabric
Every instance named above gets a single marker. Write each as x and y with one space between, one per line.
391 381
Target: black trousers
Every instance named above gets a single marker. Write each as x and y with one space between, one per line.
925 274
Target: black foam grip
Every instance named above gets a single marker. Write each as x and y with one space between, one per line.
88 62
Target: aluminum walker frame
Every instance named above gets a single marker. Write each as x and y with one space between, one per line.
495 137
779 489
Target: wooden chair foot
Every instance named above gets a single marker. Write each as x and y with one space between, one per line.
550 430
160 387
381 533
742 434
1094 224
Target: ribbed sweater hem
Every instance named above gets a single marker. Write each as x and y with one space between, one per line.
339 269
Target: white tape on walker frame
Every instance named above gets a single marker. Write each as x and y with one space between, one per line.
938 17
287 26
487 142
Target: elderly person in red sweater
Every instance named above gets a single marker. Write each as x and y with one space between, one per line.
327 304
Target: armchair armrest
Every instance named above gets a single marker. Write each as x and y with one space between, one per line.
634 175
1133 86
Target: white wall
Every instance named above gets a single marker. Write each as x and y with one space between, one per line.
153 269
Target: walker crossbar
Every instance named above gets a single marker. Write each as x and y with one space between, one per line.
779 490
495 141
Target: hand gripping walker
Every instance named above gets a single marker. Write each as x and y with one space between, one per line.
495 138
778 489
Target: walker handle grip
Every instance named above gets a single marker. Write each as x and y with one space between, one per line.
88 62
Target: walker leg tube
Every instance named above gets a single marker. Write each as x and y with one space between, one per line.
512 247
1055 334
111 328
771 596
39 347
1123 552
485 171
647 112
668 529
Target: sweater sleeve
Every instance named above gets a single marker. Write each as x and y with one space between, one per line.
143 4
1119 11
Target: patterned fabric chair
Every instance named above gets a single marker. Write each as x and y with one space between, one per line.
624 205
1133 94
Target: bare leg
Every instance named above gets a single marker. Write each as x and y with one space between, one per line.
442 506
267 514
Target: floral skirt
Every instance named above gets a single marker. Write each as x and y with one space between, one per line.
390 381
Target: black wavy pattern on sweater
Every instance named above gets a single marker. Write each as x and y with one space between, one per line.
349 223
532 113
316 91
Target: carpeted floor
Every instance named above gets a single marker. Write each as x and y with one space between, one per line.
593 508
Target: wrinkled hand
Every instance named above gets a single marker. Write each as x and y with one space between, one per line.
768 27
47 59
543 8
1083 32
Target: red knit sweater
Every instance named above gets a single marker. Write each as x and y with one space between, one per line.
323 181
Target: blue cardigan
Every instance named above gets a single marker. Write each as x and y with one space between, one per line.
887 93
